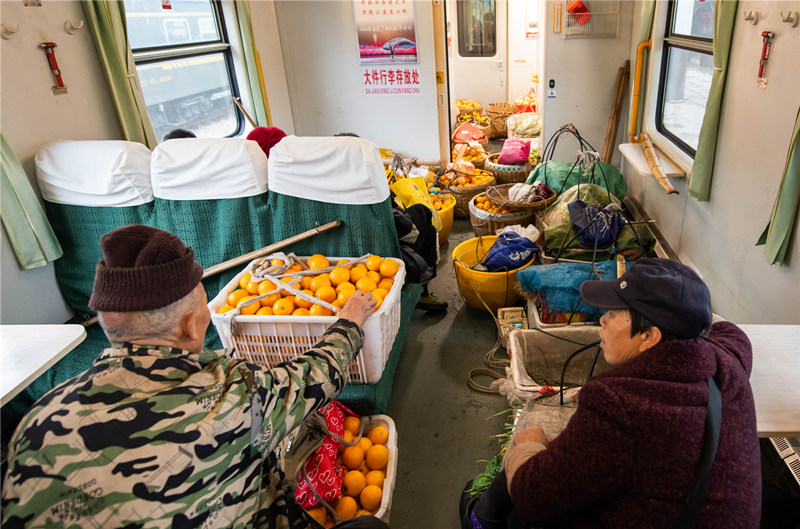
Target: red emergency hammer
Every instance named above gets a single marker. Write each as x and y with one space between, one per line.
51 56
767 35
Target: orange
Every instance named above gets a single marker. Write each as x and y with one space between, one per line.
353 483
266 286
276 262
338 304
344 295
319 310
252 288
371 497
318 513
302 302
339 275
380 292
362 512
327 294
300 311
347 285
365 444
244 280
386 283
379 301
320 281
389 268
379 435
352 457
363 468
317 261
283 307
235 296
366 284
375 276
264 311
357 272
374 262
249 309
348 438
288 279
269 301
297 267
306 281
223 309
377 457
352 424
375 477
342 262
346 508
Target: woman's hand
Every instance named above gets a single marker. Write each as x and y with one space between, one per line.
359 307
531 433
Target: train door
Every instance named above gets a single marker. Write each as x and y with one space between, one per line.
477 50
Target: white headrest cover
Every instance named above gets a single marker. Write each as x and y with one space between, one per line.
339 170
95 173
208 168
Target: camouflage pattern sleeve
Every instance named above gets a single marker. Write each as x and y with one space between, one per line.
294 389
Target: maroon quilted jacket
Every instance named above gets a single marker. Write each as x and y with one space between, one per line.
631 453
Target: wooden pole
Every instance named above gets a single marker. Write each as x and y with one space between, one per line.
246 258
655 166
616 108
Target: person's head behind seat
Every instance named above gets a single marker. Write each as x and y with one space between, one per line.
266 137
178 134
147 287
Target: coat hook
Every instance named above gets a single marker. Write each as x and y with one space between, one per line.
751 16
71 28
8 32
792 18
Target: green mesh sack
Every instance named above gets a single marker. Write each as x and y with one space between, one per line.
560 176
78 229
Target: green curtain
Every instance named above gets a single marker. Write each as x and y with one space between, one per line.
106 21
257 91
29 232
643 35
703 168
784 213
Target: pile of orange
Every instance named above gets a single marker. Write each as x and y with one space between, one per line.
481 202
463 179
440 200
366 463
334 287
471 154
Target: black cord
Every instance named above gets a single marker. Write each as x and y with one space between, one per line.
566 363
594 361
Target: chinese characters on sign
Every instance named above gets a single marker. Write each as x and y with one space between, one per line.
391 80
386 31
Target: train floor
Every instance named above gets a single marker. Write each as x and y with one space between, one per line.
445 429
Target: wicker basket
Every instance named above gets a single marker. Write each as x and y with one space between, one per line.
498 113
498 196
463 195
481 127
485 223
466 110
507 174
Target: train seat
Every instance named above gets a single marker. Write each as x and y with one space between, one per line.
212 193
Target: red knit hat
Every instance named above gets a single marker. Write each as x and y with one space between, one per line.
266 137
143 268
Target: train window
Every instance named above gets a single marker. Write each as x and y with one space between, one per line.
183 61
686 67
476 23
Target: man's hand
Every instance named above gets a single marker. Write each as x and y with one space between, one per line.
359 307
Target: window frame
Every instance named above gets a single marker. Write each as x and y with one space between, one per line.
673 40
154 54
459 26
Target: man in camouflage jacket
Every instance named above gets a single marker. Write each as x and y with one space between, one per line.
159 433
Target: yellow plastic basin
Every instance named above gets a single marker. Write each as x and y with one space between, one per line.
446 216
482 289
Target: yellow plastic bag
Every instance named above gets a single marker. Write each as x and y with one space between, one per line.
413 190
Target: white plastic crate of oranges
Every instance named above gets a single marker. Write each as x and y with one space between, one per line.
310 288
370 470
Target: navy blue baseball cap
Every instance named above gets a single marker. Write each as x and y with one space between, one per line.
666 292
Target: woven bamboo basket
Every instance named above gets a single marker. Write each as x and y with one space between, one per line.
463 195
465 110
507 174
481 127
498 196
498 113
485 223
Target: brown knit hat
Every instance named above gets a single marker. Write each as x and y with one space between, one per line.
143 268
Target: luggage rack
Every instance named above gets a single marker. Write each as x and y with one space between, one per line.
662 248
